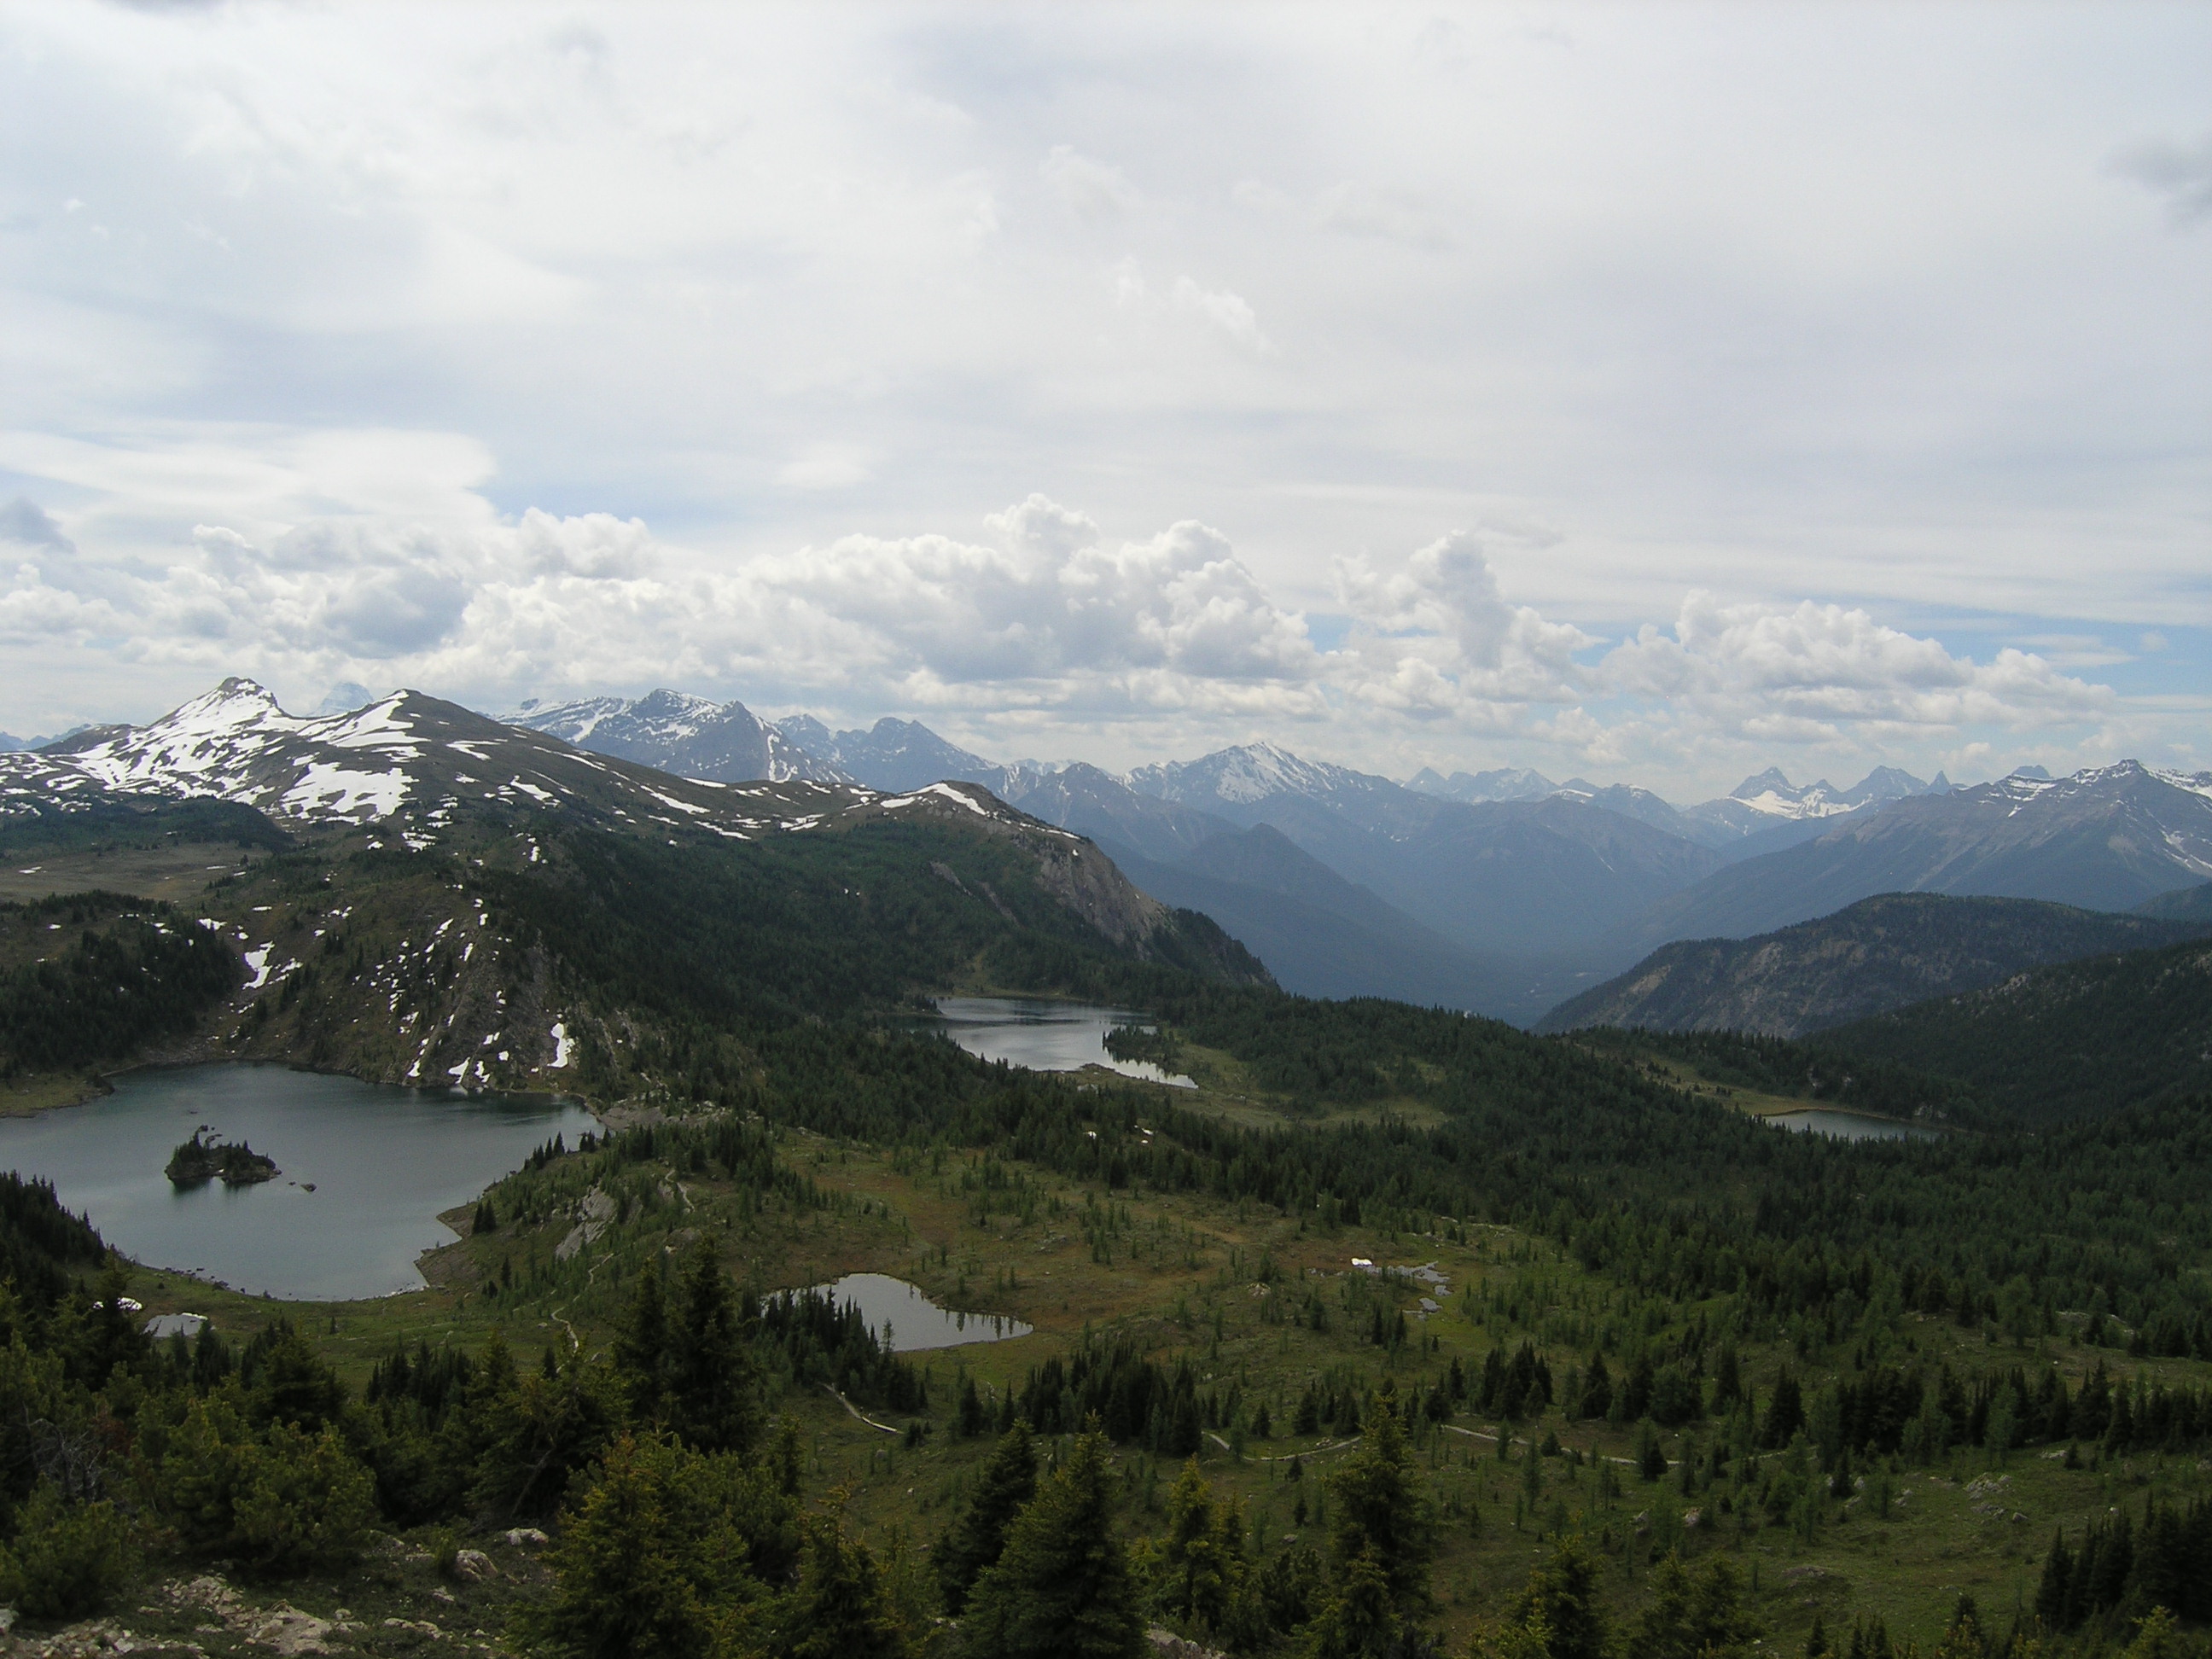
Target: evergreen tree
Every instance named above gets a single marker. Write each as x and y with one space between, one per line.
710 1376
1561 1607
635 1565
1358 1617
973 1542
841 1607
1197 1569
1381 1515
1061 1589
1699 1619
640 1349
1597 1390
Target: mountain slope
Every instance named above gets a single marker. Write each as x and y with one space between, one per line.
689 736
2103 839
2107 1033
1319 934
1099 805
1879 954
2183 905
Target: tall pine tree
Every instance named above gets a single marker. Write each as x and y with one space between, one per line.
1062 1588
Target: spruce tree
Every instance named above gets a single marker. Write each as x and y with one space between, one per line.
841 1607
1061 1589
1562 1601
1382 1522
1198 1567
640 1349
710 1376
1694 1619
1008 1482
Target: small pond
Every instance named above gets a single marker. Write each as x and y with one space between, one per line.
1851 1126
916 1321
383 1163
1045 1036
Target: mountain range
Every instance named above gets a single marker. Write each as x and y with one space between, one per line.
1867 958
1506 893
1345 882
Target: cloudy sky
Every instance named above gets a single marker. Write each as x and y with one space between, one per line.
1651 392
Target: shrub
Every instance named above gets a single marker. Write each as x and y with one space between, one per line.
67 1560
282 1502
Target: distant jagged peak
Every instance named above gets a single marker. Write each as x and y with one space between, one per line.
1500 783
1250 772
1773 786
344 697
1887 783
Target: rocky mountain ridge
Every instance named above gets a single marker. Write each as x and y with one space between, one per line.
1879 954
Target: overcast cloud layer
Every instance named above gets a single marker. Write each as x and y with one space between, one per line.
1647 392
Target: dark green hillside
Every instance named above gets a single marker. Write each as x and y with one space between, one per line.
1798 1070
133 821
1869 957
664 960
98 977
2184 904
809 926
2083 1037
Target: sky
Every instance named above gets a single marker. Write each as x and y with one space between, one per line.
1650 393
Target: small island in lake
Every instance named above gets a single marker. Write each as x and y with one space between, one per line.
235 1164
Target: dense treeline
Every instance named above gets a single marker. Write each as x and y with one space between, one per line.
2078 1038
1799 1071
135 974
1675 1195
2123 1568
114 821
40 1242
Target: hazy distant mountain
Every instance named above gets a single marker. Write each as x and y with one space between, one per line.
1507 783
1319 934
1644 807
1764 812
1498 878
1098 805
2183 905
1879 954
1766 798
343 698
893 755
673 731
2107 839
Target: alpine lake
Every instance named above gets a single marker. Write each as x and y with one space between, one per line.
1043 1035
364 1170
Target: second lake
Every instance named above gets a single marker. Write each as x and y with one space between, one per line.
914 1321
1045 1036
